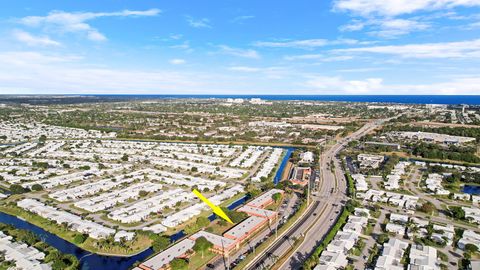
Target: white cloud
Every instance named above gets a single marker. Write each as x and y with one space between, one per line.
33 72
37 73
391 28
398 7
474 25
76 22
31 58
460 49
375 86
31 40
386 27
308 43
381 17
457 86
318 57
96 36
199 23
303 44
242 19
244 69
267 72
176 36
337 84
245 53
183 46
354 25
177 61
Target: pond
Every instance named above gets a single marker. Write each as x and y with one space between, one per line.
471 189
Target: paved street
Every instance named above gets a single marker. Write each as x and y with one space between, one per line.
326 206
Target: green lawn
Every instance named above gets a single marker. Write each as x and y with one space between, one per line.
196 261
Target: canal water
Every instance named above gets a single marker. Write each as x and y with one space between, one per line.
89 261
278 175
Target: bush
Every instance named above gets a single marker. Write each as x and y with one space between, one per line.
79 239
17 189
179 264
37 187
160 243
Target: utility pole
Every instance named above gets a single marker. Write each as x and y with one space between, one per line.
276 229
308 192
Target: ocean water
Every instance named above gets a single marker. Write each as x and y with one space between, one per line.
402 99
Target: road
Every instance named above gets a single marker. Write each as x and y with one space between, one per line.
321 215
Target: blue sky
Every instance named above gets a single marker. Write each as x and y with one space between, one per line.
240 47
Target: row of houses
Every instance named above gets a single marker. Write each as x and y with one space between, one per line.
20 170
396 199
229 173
50 146
469 237
448 166
248 157
433 183
420 256
335 254
442 233
472 214
268 165
169 158
360 182
141 210
393 179
173 153
392 253
218 150
17 132
75 223
178 179
94 187
23 256
110 199
54 181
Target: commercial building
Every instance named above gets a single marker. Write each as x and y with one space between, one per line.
432 137
368 161
245 228
301 175
161 260
221 245
265 199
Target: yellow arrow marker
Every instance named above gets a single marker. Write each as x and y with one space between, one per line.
216 209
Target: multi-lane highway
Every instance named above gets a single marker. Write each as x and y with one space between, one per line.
327 202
